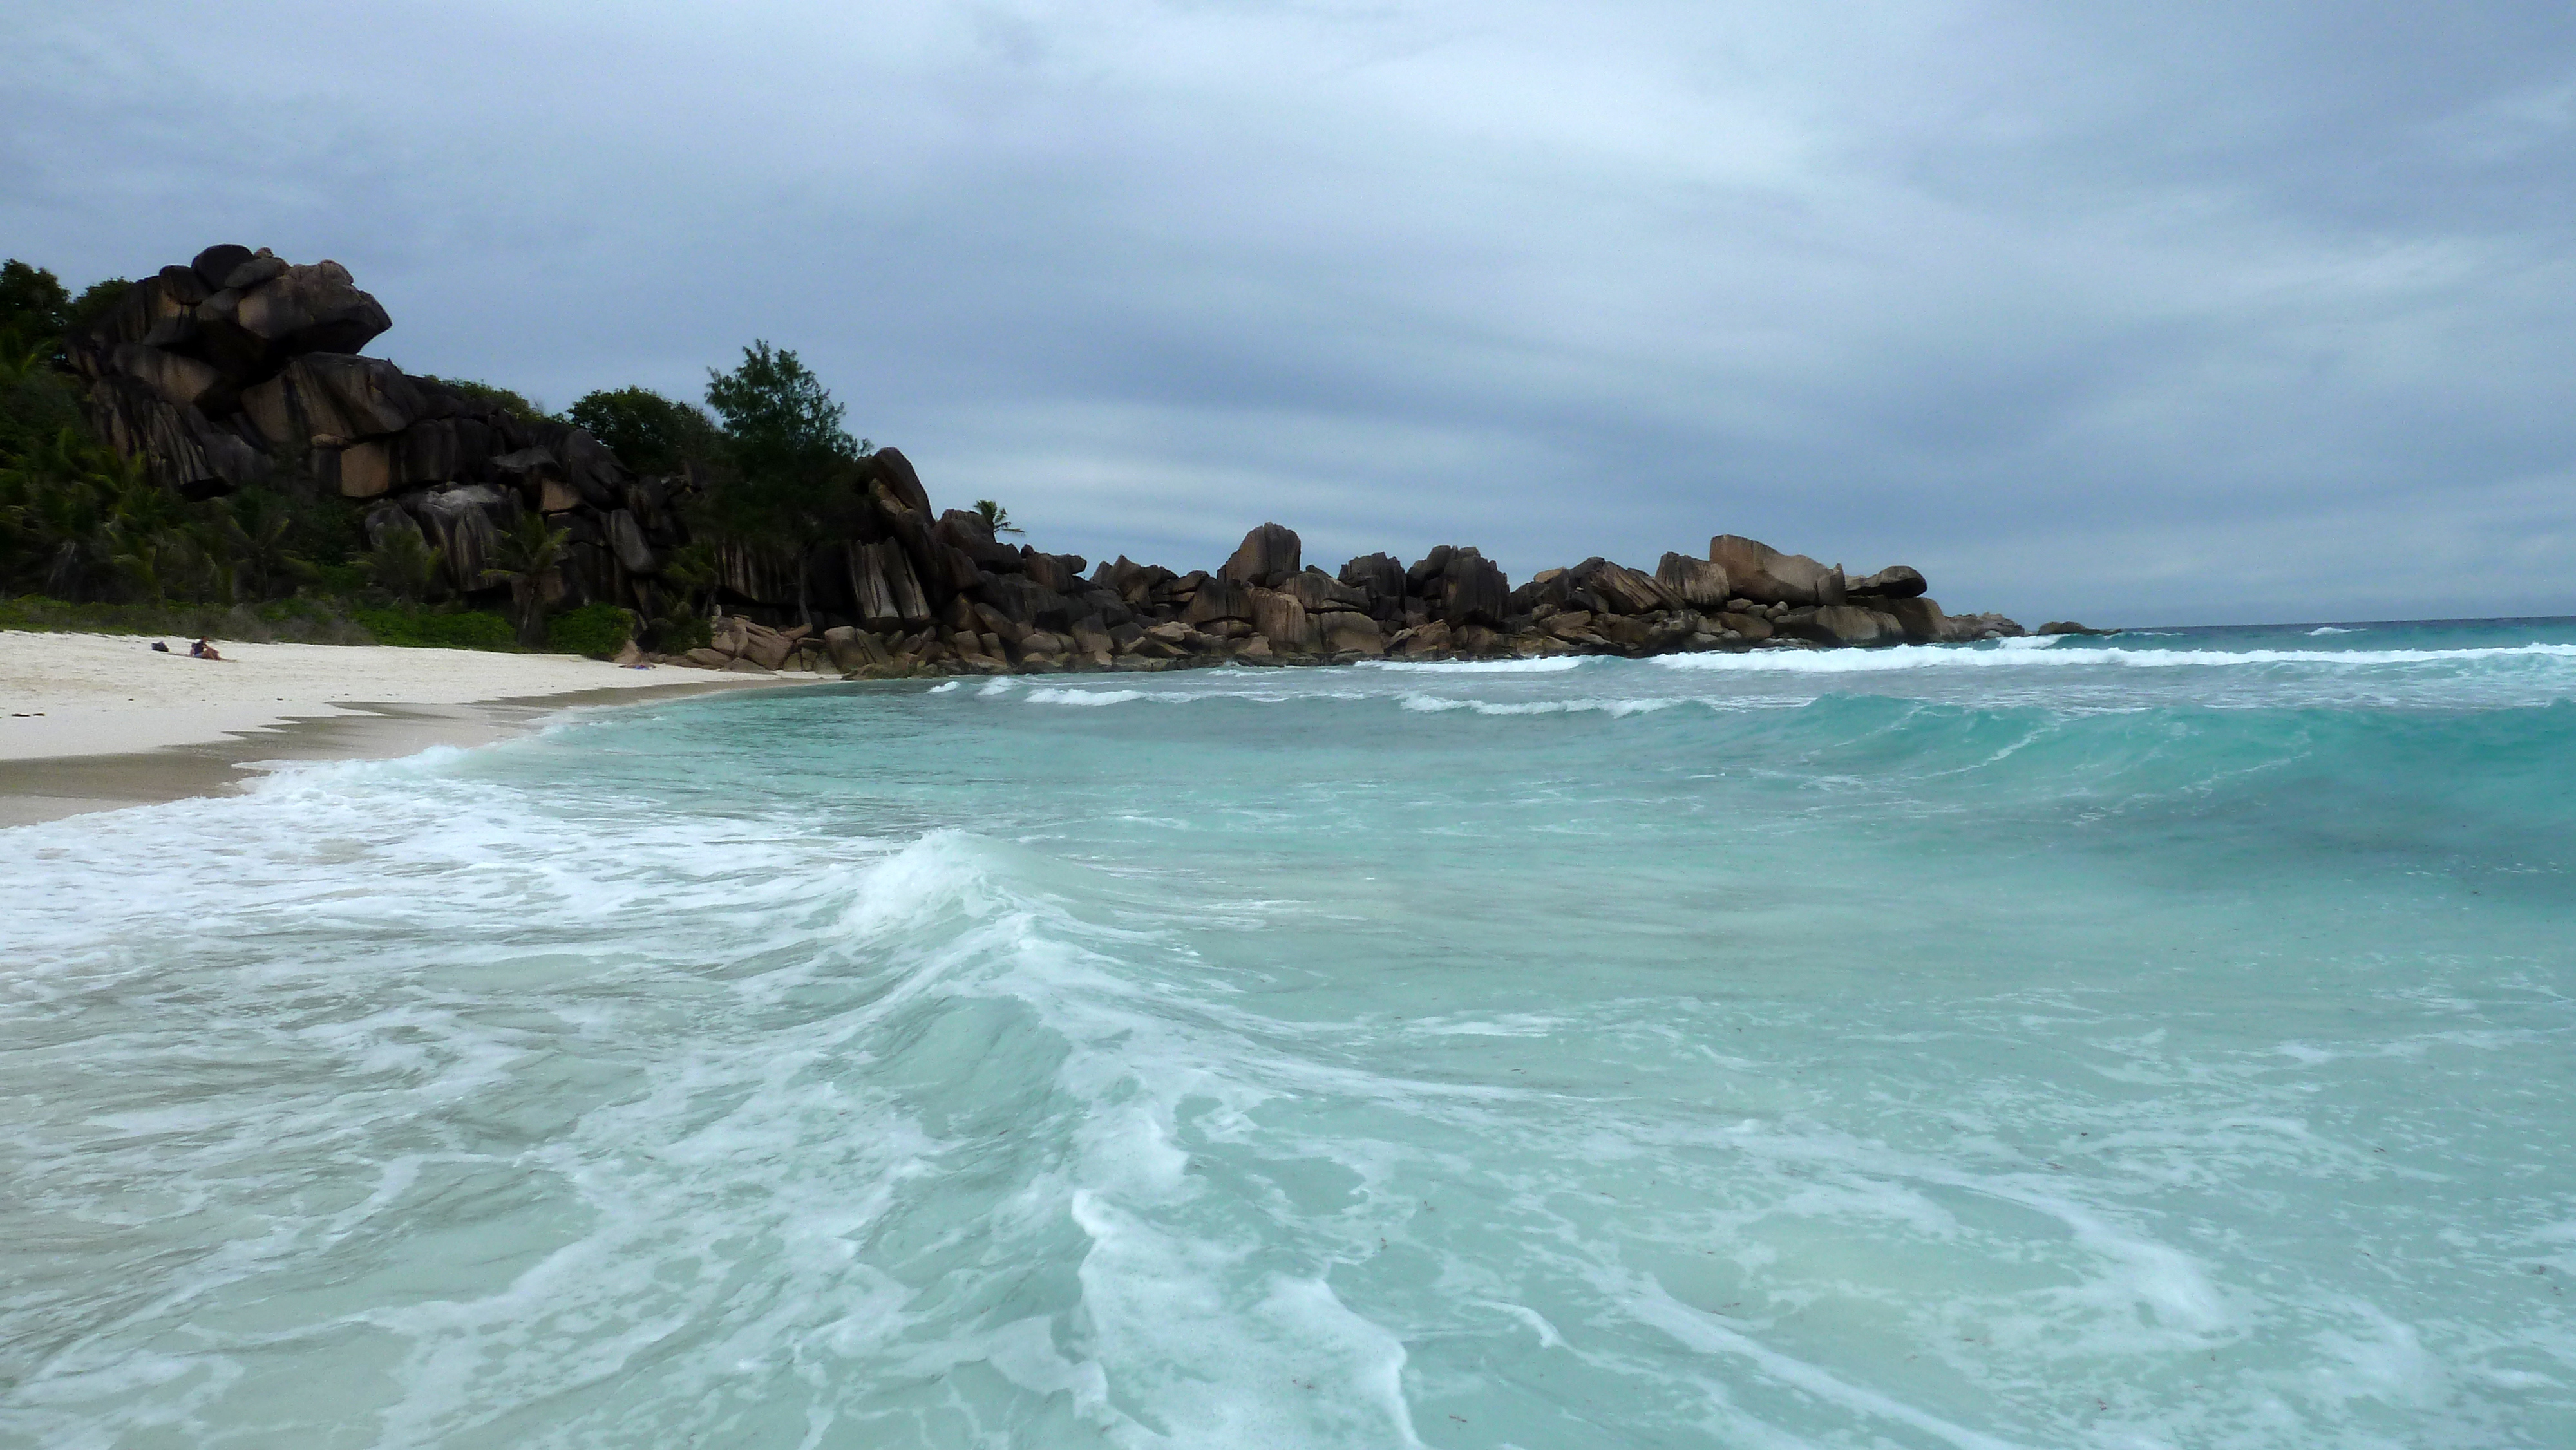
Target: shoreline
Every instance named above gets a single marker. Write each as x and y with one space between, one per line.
54 787
100 722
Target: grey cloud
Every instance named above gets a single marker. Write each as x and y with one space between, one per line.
2219 312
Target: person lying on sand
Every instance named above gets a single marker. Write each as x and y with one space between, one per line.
203 651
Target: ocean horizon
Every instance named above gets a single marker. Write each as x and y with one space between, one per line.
2146 1040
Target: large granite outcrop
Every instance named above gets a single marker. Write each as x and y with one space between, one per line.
242 369
1026 611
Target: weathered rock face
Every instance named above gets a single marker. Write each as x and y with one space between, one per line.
1032 611
1698 583
1345 631
245 314
1919 617
465 523
1758 572
1268 555
896 473
1380 579
1969 628
1750 627
241 368
1218 598
1476 591
1279 618
1896 581
1841 624
1321 593
1620 589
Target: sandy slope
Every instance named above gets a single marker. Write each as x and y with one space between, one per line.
90 694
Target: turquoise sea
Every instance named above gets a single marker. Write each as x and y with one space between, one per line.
2158 1041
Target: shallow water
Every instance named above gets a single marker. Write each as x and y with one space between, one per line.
2155 1041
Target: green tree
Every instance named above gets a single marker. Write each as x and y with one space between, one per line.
796 480
37 399
492 395
404 565
995 517
94 303
34 308
647 431
255 530
679 621
527 552
36 312
74 516
777 414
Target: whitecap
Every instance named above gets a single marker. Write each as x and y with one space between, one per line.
1545 666
2022 655
1614 708
1060 696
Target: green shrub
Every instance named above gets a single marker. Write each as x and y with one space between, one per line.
596 630
342 578
493 395
296 621
648 432
680 633
422 629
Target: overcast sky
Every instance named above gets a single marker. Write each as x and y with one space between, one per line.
2139 314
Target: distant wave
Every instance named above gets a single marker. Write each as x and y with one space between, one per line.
2330 629
1082 697
1549 665
1616 709
1930 657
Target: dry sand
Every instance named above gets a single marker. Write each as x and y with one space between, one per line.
94 722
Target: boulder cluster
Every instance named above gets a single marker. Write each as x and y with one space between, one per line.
240 368
985 608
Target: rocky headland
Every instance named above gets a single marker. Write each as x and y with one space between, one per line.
241 369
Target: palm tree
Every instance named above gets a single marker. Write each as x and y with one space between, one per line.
144 534
60 506
404 565
526 553
254 528
679 617
151 560
995 517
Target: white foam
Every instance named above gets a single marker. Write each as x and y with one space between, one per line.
1616 709
1549 665
2033 656
1059 696
2330 629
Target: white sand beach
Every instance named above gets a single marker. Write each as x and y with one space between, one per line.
92 722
